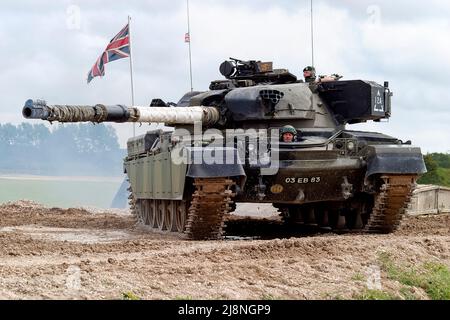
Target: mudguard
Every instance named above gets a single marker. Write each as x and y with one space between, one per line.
214 162
394 159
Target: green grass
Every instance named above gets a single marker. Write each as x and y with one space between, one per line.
358 277
433 278
437 281
129 296
444 174
407 293
333 296
375 295
438 167
440 176
65 193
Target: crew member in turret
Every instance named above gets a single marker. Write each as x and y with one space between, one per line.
309 73
288 134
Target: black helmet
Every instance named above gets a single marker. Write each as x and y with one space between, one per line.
310 68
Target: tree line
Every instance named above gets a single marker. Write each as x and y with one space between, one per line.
87 149
66 149
438 167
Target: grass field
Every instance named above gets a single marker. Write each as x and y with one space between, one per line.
61 192
444 173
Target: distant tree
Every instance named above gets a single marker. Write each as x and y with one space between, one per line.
96 138
441 159
430 163
66 149
432 176
29 135
8 134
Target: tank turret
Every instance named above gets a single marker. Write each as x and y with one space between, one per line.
253 93
326 176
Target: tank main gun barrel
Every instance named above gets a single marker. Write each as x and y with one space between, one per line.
38 109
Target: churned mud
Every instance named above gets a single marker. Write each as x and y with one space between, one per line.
52 253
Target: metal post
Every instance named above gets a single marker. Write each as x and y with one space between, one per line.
131 72
438 189
312 35
190 57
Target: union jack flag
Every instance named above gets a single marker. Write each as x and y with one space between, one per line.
118 48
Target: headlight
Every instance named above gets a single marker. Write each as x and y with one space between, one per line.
350 145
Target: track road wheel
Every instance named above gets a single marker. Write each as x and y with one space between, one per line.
160 214
180 216
169 215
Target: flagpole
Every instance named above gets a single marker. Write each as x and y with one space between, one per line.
131 72
312 35
190 56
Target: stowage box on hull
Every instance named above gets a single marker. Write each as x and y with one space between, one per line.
156 177
143 143
356 100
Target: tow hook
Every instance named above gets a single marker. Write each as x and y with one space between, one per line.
261 189
347 189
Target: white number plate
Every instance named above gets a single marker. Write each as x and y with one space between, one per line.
292 180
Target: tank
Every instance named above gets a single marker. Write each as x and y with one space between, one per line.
225 148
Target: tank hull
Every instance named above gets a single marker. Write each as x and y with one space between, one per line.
327 186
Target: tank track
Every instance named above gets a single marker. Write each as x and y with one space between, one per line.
132 204
390 203
210 203
204 219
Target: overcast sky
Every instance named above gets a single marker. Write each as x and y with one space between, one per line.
49 46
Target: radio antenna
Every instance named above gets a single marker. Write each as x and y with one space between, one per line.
187 38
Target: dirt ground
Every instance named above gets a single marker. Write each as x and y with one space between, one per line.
51 253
